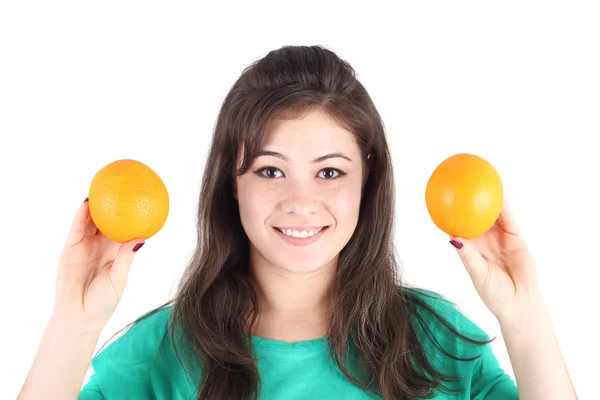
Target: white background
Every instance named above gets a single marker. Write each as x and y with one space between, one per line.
83 84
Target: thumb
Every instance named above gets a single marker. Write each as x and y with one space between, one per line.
120 268
474 263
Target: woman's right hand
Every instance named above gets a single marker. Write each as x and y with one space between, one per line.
92 274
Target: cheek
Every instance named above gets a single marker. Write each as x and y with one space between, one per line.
254 202
345 203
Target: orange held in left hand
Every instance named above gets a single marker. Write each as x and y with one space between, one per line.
465 199
501 267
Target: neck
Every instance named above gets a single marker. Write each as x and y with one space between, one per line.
293 305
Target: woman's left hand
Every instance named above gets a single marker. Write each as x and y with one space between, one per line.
502 268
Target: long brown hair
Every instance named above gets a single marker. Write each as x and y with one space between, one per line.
373 312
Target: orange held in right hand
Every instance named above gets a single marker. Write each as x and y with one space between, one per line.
464 196
128 203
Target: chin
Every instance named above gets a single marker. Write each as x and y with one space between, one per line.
302 264
301 268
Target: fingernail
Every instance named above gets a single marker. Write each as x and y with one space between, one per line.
456 244
86 199
137 247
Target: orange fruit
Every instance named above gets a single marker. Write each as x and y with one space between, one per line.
464 196
128 200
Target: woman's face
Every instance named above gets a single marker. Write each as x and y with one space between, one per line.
299 200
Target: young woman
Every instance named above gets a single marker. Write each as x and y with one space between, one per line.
293 291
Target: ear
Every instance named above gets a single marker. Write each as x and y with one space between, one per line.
233 186
234 190
366 168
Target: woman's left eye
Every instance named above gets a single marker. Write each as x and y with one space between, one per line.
330 173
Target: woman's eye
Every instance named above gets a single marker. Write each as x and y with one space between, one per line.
269 172
272 173
330 173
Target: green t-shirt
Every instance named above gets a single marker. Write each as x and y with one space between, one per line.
132 367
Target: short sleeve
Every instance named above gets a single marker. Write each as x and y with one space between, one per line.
91 391
489 381
484 378
140 364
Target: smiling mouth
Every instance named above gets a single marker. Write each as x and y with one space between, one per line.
301 233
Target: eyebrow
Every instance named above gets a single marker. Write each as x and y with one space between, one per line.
316 160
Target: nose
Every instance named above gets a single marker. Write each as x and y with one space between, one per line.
300 199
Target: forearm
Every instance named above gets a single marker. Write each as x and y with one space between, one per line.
61 362
537 362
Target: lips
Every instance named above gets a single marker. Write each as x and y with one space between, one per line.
300 236
300 232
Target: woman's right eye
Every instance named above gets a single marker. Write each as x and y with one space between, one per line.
269 172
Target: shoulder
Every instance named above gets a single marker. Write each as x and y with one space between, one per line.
141 362
458 345
427 298
434 308
439 320
139 342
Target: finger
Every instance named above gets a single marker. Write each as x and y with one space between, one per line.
474 263
507 220
108 243
90 227
111 248
120 268
78 226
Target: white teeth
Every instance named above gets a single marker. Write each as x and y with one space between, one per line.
299 234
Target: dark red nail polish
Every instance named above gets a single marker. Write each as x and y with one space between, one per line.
137 247
456 244
86 199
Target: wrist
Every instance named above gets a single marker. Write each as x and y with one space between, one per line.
526 319
73 326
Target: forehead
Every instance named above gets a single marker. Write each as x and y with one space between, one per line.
312 130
